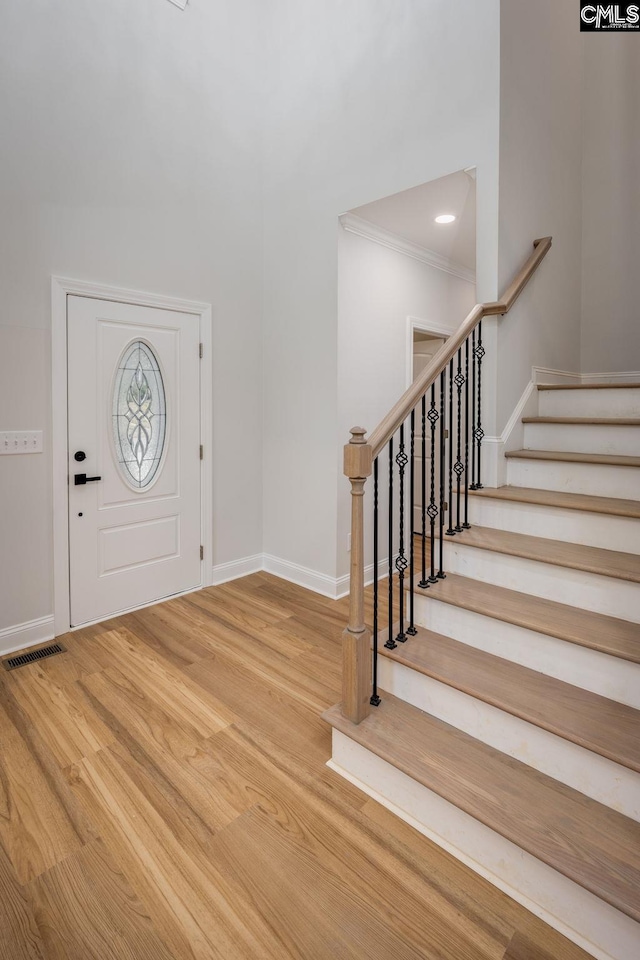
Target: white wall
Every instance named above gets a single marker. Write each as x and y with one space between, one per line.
540 191
378 289
610 203
130 133
368 98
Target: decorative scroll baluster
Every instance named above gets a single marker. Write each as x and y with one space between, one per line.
411 629
443 386
390 643
401 560
473 409
375 699
424 583
458 467
450 531
466 525
478 433
432 509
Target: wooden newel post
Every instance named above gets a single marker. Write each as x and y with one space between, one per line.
356 639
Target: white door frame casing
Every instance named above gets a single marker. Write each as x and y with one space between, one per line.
424 326
61 288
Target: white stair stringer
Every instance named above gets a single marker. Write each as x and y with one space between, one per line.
583 438
582 667
586 402
578 588
597 777
596 926
556 523
596 479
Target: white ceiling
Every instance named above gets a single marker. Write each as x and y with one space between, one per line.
411 215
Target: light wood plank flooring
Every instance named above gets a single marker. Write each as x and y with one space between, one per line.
164 794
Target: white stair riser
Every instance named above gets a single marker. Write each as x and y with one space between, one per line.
598 928
575 438
588 669
598 480
595 776
557 523
589 403
591 591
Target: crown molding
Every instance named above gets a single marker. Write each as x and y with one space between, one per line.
179 3
370 231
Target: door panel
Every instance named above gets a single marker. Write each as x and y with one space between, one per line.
134 411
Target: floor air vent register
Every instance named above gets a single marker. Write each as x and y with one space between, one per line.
22 659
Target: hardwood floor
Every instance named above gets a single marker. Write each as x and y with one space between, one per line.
164 794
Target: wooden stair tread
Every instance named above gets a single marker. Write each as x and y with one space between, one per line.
597 631
603 726
608 459
558 498
575 556
588 386
587 421
587 842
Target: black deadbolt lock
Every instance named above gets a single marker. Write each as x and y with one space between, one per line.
80 456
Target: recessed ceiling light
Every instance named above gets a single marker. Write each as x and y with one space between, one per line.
445 218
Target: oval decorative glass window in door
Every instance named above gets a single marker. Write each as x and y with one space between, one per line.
139 415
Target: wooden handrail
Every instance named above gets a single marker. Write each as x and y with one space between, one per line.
399 413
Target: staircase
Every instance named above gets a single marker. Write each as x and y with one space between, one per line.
509 725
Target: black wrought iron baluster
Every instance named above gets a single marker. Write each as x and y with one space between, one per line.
390 643
450 531
401 560
424 583
466 525
473 409
479 432
458 467
411 629
443 386
432 509
375 699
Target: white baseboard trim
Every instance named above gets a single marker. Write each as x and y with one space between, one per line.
224 572
303 576
24 635
629 376
29 634
518 413
548 375
333 587
342 583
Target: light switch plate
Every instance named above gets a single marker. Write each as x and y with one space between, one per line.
20 441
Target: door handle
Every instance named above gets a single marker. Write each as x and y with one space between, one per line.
81 478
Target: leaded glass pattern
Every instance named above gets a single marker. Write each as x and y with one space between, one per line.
139 414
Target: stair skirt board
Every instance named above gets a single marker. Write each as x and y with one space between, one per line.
597 777
583 438
615 402
591 670
589 591
556 523
599 480
592 924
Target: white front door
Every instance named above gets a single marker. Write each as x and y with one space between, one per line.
134 455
